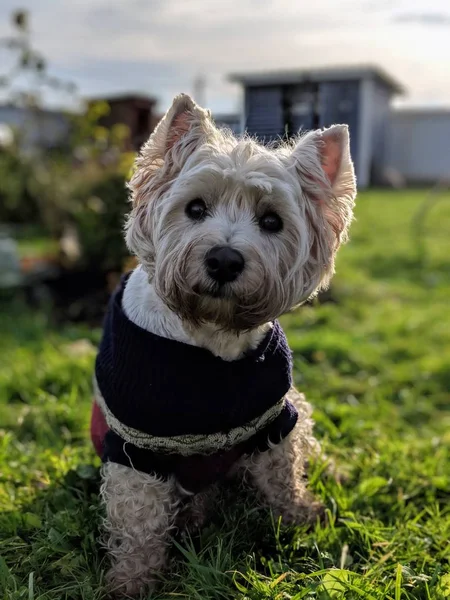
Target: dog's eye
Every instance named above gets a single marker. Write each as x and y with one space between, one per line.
196 210
271 222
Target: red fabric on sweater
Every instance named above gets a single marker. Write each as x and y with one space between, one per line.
99 428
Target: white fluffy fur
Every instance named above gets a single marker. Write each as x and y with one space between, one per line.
310 184
140 513
143 306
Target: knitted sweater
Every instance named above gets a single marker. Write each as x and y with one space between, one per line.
176 409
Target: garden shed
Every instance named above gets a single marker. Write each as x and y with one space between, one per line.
282 103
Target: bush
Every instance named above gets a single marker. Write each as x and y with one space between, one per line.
98 221
76 195
18 202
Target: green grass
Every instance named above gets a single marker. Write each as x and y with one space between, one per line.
374 361
37 247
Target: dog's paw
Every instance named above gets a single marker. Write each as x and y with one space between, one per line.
198 510
191 520
121 585
317 514
309 513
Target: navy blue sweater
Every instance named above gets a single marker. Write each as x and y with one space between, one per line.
174 408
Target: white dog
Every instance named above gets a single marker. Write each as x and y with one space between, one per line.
193 377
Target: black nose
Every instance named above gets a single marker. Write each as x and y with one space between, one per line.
224 264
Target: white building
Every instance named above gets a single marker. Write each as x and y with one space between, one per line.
419 145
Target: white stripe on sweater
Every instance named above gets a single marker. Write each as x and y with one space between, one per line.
187 444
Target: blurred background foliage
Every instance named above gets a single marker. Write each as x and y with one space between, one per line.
78 189
74 194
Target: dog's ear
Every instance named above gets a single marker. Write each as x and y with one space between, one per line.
182 129
323 164
183 117
325 168
334 151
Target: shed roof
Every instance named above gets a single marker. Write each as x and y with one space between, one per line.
337 73
124 97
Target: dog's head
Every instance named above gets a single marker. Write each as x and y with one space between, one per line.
233 232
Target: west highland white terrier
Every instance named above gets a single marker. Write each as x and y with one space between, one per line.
193 379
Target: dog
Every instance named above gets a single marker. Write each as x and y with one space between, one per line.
193 379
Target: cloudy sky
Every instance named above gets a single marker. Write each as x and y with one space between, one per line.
159 47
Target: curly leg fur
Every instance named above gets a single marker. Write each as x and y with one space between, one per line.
279 474
140 513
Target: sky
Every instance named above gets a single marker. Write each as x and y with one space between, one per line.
160 47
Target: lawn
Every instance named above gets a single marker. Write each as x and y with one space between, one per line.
375 362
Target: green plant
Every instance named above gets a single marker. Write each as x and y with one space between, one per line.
18 201
99 219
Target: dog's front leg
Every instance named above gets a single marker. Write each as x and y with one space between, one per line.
140 512
279 477
280 473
